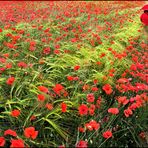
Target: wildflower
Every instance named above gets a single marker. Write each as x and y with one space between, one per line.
83 109
17 143
64 107
122 80
30 132
56 51
90 98
128 112
15 113
41 97
10 132
142 135
46 50
43 89
94 89
61 146
107 88
123 100
49 106
92 109
114 111
92 125
22 65
10 80
2 141
81 129
33 117
58 88
70 78
144 18
82 144
77 67
107 134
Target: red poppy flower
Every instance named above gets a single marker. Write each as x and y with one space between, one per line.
114 111
82 144
2 141
33 117
77 67
128 112
46 50
122 80
58 88
10 80
17 143
10 132
15 113
43 89
93 125
90 98
144 19
8 65
22 65
56 51
30 132
107 88
142 135
145 7
123 100
41 97
107 134
61 146
94 89
70 78
64 107
49 106
83 109
81 129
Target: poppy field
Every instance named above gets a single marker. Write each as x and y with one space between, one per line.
73 74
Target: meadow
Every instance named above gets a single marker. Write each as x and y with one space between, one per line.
73 74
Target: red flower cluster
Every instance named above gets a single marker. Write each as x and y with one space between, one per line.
64 107
92 125
15 113
90 98
30 132
82 144
107 134
83 109
41 97
17 143
107 88
43 89
10 80
114 111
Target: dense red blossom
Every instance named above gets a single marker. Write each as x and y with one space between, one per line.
82 144
43 89
10 80
41 97
2 141
107 88
63 107
10 132
107 134
83 109
114 111
15 113
30 132
17 143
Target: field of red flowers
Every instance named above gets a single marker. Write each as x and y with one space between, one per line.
73 74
